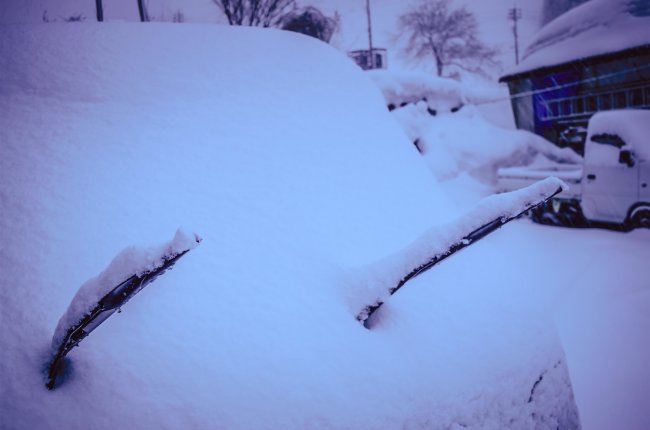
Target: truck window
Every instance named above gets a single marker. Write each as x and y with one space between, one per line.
608 139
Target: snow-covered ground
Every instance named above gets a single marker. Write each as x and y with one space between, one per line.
596 285
281 154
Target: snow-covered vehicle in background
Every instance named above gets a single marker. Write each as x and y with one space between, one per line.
453 134
573 137
399 89
611 186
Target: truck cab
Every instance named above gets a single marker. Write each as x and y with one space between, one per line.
616 170
611 186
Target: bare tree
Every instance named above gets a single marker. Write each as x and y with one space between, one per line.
312 22
255 13
450 37
178 16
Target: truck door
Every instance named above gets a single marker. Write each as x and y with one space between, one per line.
610 179
644 179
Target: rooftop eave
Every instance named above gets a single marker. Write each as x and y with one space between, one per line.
547 70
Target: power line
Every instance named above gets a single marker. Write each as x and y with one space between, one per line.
558 87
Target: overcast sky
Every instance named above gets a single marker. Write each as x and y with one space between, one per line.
495 29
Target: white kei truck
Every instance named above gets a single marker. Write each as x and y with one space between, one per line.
610 189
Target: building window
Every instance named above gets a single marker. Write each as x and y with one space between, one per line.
636 97
578 105
620 100
566 107
586 105
605 101
592 104
364 60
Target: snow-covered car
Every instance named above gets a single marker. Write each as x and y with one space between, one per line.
573 137
611 186
441 95
114 134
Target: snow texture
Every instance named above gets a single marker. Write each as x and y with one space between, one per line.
383 276
465 142
599 294
631 125
514 178
131 261
541 166
401 87
594 28
281 152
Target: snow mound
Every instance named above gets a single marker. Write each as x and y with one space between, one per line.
131 261
466 142
440 94
116 133
594 28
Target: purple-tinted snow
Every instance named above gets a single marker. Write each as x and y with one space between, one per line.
281 152
131 261
594 28
384 275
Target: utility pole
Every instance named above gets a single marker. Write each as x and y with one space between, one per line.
144 17
514 15
371 64
100 10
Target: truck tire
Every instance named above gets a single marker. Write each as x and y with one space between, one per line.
640 218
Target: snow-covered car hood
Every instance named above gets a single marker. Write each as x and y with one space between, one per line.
115 134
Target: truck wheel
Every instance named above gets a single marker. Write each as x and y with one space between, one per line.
641 218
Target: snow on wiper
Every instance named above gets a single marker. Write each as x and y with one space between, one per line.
438 243
98 298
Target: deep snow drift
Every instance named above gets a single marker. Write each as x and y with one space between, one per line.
440 117
114 134
465 142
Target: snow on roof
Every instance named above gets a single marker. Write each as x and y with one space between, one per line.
594 28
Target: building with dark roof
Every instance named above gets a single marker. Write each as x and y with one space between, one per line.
363 58
595 57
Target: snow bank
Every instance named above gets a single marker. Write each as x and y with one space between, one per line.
596 27
631 125
116 133
465 142
132 261
440 94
